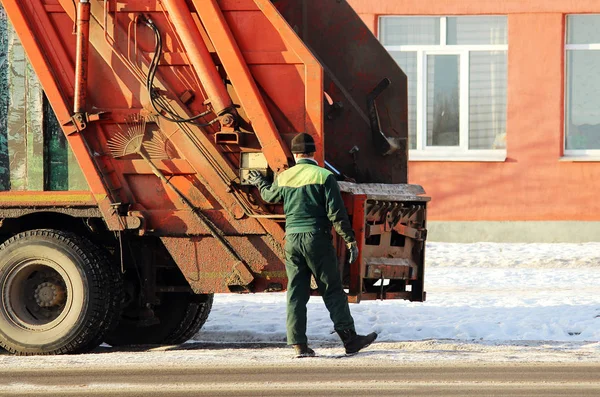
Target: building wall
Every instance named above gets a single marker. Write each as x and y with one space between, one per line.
534 184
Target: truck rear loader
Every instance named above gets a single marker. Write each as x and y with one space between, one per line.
165 106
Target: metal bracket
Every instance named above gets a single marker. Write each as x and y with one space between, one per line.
240 275
416 234
383 144
81 120
392 222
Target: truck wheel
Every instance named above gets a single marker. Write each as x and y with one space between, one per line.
180 316
58 293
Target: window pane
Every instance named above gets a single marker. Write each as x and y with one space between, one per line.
410 30
583 29
583 100
477 30
487 100
443 100
408 63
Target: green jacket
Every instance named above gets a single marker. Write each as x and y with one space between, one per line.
311 200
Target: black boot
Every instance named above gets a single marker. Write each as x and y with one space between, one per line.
353 342
302 350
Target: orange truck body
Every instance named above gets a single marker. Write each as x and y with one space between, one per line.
167 104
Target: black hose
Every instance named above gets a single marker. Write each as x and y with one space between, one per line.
75 18
172 116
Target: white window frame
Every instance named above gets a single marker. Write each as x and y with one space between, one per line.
445 153
575 154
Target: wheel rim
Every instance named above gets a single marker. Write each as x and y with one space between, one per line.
37 294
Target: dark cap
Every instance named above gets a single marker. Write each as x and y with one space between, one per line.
303 144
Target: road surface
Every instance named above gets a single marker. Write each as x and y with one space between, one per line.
306 378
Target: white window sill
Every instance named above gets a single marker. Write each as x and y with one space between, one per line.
497 156
580 158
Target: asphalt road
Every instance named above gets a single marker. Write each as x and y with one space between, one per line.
305 379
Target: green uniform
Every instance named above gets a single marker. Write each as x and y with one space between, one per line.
313 204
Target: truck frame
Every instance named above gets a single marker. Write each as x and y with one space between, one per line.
166 106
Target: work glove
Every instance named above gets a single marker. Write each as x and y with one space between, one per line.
255 178
353 247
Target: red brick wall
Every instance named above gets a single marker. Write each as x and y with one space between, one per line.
533 183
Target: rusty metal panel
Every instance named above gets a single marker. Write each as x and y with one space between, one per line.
208 268
400 192
387 253
388 268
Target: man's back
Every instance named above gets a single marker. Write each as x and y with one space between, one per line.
303 190
311 199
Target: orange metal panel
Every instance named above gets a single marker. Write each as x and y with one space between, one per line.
238 5
199 56
313 76
271 58
41 199
208 269
247 91
169 167
82 57
177 176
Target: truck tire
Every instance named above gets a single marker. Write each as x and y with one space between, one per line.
59 294
180 316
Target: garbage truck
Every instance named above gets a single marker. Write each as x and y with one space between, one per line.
127 131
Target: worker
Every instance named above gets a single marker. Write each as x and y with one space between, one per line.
312 203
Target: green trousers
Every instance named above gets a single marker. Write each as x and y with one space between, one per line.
306 254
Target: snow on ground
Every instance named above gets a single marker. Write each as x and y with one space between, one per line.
475 292
485 302
495 255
